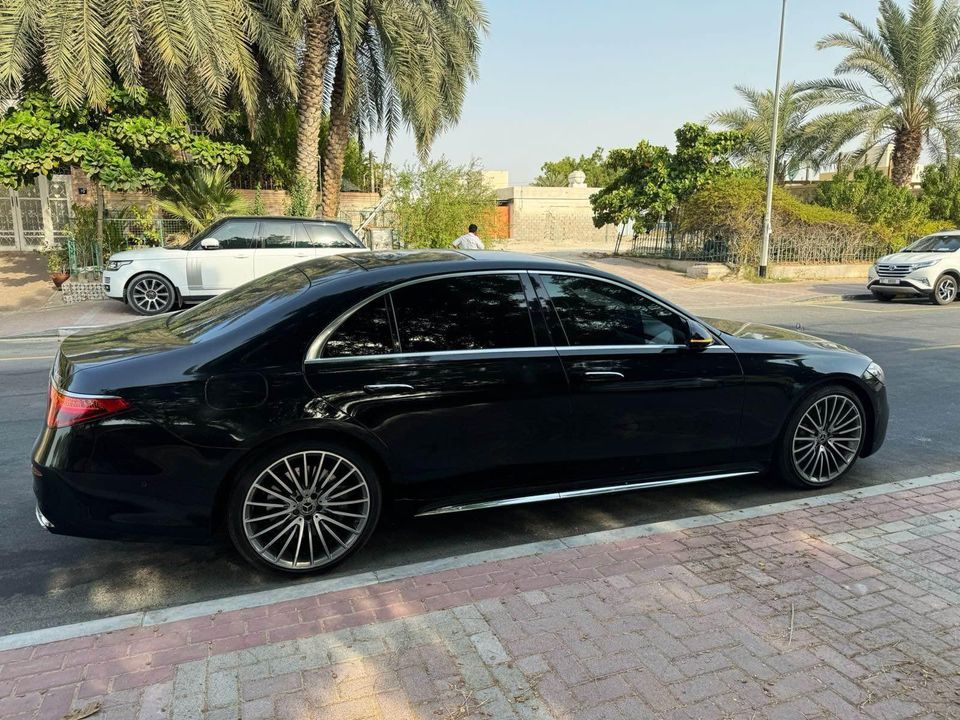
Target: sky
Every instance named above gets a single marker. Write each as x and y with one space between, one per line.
562 77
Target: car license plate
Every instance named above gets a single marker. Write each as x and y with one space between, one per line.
889 281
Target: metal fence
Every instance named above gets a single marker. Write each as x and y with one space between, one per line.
834 248
89 255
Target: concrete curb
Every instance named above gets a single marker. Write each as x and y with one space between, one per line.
320 587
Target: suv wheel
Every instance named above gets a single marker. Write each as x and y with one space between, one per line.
151 294
823 438
304 507
944 290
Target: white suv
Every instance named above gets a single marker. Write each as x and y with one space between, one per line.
929 267
227 254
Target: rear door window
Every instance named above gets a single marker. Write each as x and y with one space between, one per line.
366 332
319 235
472 312
277 234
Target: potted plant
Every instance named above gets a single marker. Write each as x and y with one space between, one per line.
57 262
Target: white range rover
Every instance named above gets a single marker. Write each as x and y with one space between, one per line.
929 267
227 254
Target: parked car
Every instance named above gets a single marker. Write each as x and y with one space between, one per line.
289 410
229 253
929 267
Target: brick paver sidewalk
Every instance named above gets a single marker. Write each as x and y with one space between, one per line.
847 608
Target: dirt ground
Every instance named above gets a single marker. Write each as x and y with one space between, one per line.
24 281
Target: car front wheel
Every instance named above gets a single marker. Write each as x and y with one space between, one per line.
151 294
945 290
304 508
823 438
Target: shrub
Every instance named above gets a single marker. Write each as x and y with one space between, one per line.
941 191
435 203
299 204
730 211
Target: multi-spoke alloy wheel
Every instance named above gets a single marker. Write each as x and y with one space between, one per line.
827 438
151 294
945 290
305 510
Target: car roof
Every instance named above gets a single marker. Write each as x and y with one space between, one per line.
412 264
326 221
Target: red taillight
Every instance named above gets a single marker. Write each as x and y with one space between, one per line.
64 409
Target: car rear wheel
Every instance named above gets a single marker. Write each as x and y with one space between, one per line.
882 297
823 438
944 290
151 294
304 508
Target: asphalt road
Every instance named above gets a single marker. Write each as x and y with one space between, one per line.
48 580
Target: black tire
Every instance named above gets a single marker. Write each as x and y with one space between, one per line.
841 446
945 290
323 463
882 297
151 294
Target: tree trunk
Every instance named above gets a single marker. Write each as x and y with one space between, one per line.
338 136
318 32
101 211
907 145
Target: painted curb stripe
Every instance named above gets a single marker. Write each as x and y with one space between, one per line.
349 582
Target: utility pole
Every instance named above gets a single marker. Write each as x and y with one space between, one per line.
772 167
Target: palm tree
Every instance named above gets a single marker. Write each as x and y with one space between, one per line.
190 53
406 61
201 196
911 63
797 143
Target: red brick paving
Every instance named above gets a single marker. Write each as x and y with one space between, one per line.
692 623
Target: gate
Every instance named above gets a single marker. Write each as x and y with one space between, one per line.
35 215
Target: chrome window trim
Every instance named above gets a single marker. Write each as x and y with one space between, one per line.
315 350
532 351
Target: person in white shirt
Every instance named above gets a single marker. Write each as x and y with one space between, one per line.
470 241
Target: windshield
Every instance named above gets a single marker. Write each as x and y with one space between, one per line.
178 241
935 243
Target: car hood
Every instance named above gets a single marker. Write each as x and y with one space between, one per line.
774 339
909 258
151 253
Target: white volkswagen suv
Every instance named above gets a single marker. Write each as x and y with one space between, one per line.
227 254
928 267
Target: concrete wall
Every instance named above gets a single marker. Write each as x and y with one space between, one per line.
274 201
553 216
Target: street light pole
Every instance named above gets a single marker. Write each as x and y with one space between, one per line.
772 167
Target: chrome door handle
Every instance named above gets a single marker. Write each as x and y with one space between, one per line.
603 375
387 388
241 256
302 255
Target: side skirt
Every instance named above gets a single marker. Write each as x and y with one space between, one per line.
543 497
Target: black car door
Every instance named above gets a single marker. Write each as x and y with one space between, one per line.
448 373
645 405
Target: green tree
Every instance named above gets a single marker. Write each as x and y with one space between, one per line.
554 173
651 181
797 142
129 144
200 196
193 54
911 63
941 191
400 61
435 203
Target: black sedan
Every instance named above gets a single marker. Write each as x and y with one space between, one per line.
288 411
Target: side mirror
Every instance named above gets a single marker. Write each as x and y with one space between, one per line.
210 244
700 338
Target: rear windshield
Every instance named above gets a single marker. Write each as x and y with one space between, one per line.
255 299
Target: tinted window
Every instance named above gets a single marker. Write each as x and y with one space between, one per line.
276 233
366 332
327 236
260 298
594 312
465 313
236 234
